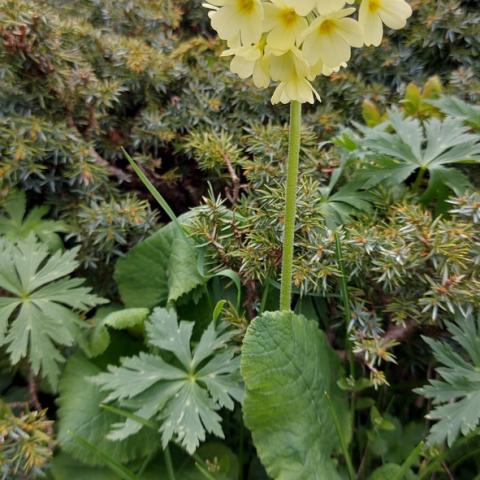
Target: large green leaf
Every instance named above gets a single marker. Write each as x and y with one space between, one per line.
289 369
80 413
158 270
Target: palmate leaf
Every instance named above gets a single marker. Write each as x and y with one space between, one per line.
289 369
183 396
433 147
456 108
16 224
340 205
158 270
457 394
37 316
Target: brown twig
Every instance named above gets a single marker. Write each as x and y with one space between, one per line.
251 297
447 471
232 193
33 391
114 171
34 400
363 462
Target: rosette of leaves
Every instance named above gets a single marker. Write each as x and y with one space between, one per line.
179 386
456 393
37 299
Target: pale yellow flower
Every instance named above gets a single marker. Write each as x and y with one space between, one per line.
250 61
292 42
237 17
327 6
374 13
284 24
293 73
329 38
302 7
321 69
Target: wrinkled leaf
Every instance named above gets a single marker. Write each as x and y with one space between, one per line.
288 366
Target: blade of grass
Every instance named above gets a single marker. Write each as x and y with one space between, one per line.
409 461
204 472
341 437
122 472
436 463
266 292
154 192
345 301
472 453
348 318
149 424
234 277
145 464
218 309
169 463
125 413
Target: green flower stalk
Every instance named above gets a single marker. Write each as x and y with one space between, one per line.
290 205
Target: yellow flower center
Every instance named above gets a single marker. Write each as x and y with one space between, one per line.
246 6
374 5
288 17
326 27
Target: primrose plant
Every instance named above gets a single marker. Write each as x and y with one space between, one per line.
290 43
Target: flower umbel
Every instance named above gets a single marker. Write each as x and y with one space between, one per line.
294 41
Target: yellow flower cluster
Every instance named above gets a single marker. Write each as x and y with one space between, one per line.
293 41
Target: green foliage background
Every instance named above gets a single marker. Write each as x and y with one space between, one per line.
79 82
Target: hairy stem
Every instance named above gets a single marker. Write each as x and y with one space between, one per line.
290 205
